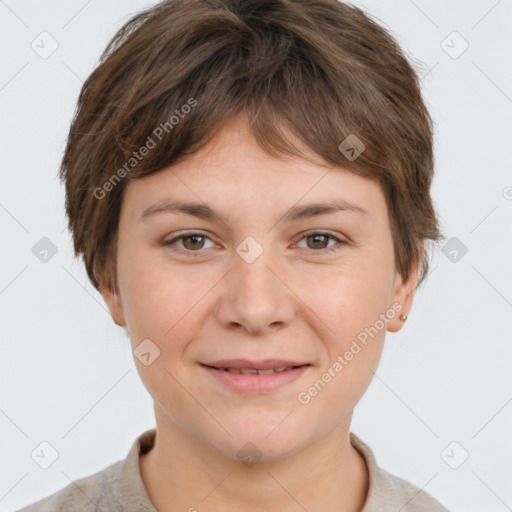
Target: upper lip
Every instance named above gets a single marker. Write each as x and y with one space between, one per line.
267 364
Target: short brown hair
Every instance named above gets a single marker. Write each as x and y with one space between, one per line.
321 68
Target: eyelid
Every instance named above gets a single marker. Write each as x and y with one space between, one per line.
321 232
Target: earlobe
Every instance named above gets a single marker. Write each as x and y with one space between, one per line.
404 294
113 301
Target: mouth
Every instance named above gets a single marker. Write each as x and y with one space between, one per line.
255 377
248 366
248 371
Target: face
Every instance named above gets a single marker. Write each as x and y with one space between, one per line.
257 282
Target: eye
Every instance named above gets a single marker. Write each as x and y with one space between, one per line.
191 242
318 240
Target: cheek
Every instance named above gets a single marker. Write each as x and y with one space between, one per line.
352 328
352 353
151 301
163 303
161 309
347 299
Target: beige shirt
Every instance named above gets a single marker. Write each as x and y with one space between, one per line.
119 488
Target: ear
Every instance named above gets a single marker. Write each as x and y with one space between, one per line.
113 301
403 294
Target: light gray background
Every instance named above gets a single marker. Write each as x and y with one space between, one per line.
67 373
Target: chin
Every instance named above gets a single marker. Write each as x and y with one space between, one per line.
259 443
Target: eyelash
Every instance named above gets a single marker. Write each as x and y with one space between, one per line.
305 235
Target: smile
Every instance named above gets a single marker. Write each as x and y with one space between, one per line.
255 380
248 371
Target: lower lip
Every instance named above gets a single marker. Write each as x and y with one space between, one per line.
254 382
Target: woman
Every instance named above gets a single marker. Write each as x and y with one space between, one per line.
248 183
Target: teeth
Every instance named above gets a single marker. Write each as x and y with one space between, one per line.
247 371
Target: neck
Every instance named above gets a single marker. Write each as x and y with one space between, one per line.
180 474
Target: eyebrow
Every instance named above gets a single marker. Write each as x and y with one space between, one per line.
295 213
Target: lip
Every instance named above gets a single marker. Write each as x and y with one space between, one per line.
258 365
255 383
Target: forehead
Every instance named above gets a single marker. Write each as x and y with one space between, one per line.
232 170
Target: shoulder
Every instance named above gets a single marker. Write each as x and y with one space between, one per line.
410 497
92 493
117 488
388 492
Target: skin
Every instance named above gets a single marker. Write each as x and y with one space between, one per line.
294 301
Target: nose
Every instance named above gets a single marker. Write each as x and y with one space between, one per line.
255 297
